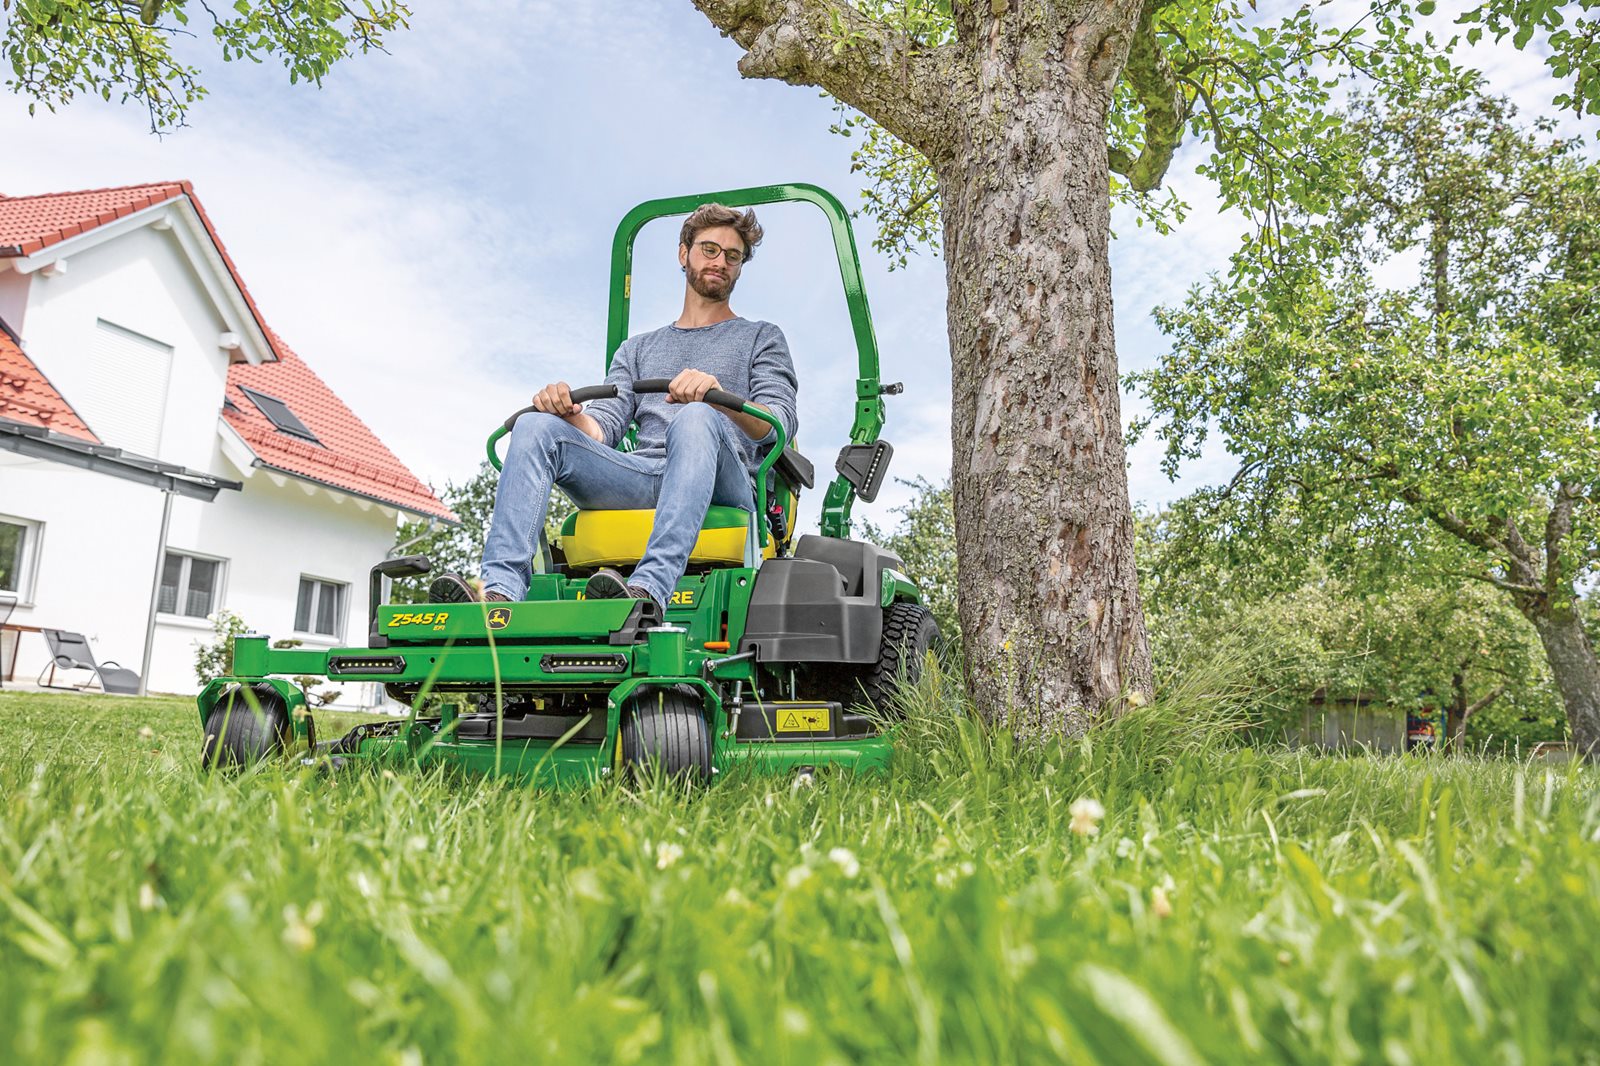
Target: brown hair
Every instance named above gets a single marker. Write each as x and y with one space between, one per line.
709 216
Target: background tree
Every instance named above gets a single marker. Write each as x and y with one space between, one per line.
59 49
459 548
1454 422
1291 628
1030 117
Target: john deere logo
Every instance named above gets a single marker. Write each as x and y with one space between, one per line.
499 617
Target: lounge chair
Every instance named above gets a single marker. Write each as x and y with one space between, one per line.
70 651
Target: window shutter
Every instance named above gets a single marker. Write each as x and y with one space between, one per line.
125 400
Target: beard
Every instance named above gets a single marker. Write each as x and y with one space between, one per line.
710 287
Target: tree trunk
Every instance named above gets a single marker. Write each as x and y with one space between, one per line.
1576 673
1456 713
1049 598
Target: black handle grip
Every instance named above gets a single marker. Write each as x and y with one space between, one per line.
720 397
583 395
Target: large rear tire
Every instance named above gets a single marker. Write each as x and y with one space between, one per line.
246 726
666 728
909 634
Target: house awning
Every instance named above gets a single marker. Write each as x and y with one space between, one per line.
40 443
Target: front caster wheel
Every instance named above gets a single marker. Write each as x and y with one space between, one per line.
246 726
667 729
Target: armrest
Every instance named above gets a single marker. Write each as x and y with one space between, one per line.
796 469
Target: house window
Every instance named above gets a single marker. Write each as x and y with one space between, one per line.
19 542
191 585
320 607
279 415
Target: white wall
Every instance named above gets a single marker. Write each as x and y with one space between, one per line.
97 556
141 281
13 295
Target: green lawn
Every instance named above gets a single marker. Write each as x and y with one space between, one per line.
1234 906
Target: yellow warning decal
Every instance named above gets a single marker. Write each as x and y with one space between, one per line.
803 720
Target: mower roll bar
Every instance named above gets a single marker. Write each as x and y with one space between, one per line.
719 397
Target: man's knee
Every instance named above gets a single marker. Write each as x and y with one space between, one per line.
696 422
536 431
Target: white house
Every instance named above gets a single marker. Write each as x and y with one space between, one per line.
163 454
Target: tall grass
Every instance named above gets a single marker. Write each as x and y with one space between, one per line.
1231 904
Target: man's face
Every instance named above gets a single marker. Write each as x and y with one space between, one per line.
713 279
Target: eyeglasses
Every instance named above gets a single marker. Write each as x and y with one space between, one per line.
711 249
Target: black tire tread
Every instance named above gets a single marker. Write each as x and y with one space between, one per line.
668 728
909 633
236 735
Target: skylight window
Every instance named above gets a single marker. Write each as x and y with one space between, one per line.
279 415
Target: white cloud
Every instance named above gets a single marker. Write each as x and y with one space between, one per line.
432 229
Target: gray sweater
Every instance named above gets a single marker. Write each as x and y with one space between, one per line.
748 358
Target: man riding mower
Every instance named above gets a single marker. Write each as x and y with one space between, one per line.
677 619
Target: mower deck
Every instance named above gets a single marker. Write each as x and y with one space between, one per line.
550 677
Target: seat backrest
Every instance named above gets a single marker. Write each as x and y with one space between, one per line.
69 649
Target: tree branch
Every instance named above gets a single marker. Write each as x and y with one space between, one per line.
1453 524
1480 704
884 74
1150 74
1499 582
1557 528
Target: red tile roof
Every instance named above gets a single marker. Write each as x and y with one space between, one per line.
353 459
30 224
26 395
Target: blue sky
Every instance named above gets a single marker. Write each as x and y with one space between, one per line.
431 230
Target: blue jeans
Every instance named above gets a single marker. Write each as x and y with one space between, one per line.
702 467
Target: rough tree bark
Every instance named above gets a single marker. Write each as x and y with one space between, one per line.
1546 598
1576 673
1012 117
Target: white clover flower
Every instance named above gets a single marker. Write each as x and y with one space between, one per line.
845 860
797 876
1086 814
297 932
667 853
146 732
147 897
1160 904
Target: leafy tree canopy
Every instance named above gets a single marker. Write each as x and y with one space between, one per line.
1260 90
1452 421
130 49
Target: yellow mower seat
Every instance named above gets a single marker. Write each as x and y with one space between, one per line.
618 538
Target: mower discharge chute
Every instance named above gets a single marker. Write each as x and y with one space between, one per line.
773 652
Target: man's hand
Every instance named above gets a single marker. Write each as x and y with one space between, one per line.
556 400
691 386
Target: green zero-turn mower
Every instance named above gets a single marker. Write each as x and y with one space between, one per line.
776 652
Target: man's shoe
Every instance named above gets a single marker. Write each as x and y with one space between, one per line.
607 584
639 592
453 588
